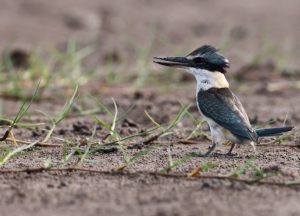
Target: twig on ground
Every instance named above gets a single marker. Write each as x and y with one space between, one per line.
167 175
42 144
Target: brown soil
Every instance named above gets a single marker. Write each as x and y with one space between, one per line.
113 26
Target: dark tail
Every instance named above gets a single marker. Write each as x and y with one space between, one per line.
272 131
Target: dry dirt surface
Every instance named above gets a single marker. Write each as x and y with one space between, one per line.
38 182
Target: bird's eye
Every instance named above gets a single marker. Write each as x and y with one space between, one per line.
198 60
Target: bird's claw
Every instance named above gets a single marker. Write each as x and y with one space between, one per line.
199 154
230 154
208 154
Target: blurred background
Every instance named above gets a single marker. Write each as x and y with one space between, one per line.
105 44
123 28
107 47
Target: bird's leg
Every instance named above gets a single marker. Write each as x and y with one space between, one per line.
208 153
229 153
253 146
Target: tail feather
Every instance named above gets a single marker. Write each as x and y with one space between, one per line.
272 131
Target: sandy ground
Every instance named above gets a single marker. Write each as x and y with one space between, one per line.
176 27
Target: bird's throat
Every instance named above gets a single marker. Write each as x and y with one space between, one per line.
206 80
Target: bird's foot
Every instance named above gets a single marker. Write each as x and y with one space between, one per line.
254 148
206 154
230 154
217 154
214 154
199 154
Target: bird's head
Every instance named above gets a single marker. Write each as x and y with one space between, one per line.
205 58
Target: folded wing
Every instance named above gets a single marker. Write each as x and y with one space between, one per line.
222 106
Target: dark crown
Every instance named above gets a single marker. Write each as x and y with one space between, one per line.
209 58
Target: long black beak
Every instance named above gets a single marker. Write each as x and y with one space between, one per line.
173 61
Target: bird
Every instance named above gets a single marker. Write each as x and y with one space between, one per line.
220 107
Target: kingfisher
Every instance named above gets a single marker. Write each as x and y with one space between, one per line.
220 107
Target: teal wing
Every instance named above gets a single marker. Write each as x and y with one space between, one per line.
225 109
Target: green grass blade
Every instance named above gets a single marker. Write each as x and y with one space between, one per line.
23 109
140 154
62 115
104 108
176 163
113 125
152 120
87 150
125 114
10 154
179 117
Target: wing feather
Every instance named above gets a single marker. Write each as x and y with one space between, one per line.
222 106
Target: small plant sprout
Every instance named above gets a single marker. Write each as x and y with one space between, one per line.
61 116
22 111
248 164
176 163
48 163
166 131
201 168
87 150
12 152
112 128
170 158
69 144
135 158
